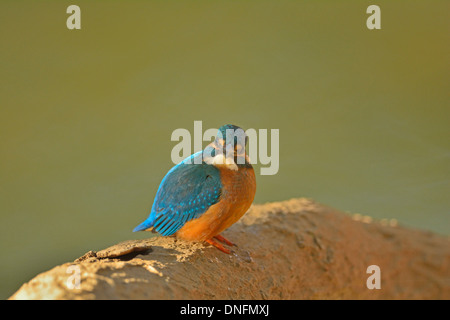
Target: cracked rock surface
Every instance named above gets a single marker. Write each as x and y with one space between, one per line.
295 249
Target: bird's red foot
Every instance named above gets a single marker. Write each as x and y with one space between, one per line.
218 246
224 240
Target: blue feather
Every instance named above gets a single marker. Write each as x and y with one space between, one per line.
143 226
186 192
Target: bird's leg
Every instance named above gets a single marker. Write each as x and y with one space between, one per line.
224 240
218 246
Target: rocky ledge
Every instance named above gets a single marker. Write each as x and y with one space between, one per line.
296 249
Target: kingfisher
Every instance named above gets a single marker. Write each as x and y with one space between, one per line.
205 193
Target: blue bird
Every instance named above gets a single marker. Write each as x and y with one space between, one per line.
205 193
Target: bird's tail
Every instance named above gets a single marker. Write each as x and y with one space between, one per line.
143 226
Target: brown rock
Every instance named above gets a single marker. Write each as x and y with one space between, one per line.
295 249
124 248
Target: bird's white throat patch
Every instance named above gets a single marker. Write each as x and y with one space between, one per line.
221 161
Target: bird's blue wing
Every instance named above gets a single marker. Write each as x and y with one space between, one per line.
186 192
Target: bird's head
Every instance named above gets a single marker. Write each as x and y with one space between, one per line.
231 138
229 145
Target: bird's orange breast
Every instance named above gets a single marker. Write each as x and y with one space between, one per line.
238 192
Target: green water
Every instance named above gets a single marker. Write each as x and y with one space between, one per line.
86 115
